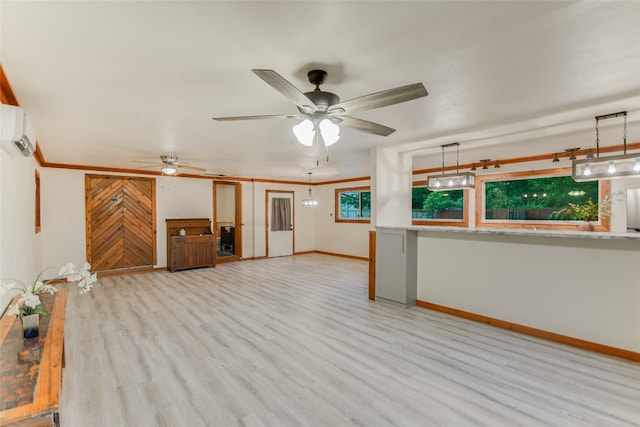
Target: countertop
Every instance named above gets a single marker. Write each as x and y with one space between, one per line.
630 235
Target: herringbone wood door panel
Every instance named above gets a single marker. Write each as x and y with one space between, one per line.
120 222
105 223
139 233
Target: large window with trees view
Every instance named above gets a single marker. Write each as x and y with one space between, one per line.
438 207
353 204
545 199
537 199
426 204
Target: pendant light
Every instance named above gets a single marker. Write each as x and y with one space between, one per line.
309 202
620 166
451 181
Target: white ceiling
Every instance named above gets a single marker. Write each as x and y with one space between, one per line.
109 83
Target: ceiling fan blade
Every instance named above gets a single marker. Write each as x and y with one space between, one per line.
283 86
195 168
149 163
366 126
272 116
380 99
150 166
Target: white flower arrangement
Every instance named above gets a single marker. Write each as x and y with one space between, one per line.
29 301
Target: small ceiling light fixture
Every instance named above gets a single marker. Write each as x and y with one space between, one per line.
169 170
451 181
590 154
473 166
484 163
573 152
555 158
306 132
497 166
309 202
620 166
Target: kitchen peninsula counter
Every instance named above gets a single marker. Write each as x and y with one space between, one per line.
583 286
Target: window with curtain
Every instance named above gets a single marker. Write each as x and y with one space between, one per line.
280 214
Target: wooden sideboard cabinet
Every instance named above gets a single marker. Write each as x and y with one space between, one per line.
194 249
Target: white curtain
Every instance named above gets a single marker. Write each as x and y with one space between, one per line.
280 214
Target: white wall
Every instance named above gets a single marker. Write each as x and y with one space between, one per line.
254 218
339 237
391 188
619 201
226 203
585 288
180 198
63 216
20 251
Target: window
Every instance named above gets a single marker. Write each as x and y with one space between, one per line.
438 207
353 204
534 198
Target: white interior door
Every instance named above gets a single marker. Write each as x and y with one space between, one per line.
279 242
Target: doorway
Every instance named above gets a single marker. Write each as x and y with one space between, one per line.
279 223
227 220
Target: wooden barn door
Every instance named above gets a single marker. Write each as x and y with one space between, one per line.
120 219
105 244
139 222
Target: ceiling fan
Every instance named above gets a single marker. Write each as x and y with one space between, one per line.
169 165
319 105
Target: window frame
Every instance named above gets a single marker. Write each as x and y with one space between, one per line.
38 214
464 222
604 190
337 218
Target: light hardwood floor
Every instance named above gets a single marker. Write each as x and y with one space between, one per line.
294 341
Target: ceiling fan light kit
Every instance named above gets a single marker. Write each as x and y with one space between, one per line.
610 167
169 165
451 181
305 132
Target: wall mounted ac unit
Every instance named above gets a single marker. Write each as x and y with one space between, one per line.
17 129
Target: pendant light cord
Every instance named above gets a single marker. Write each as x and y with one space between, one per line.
457 144
624 136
